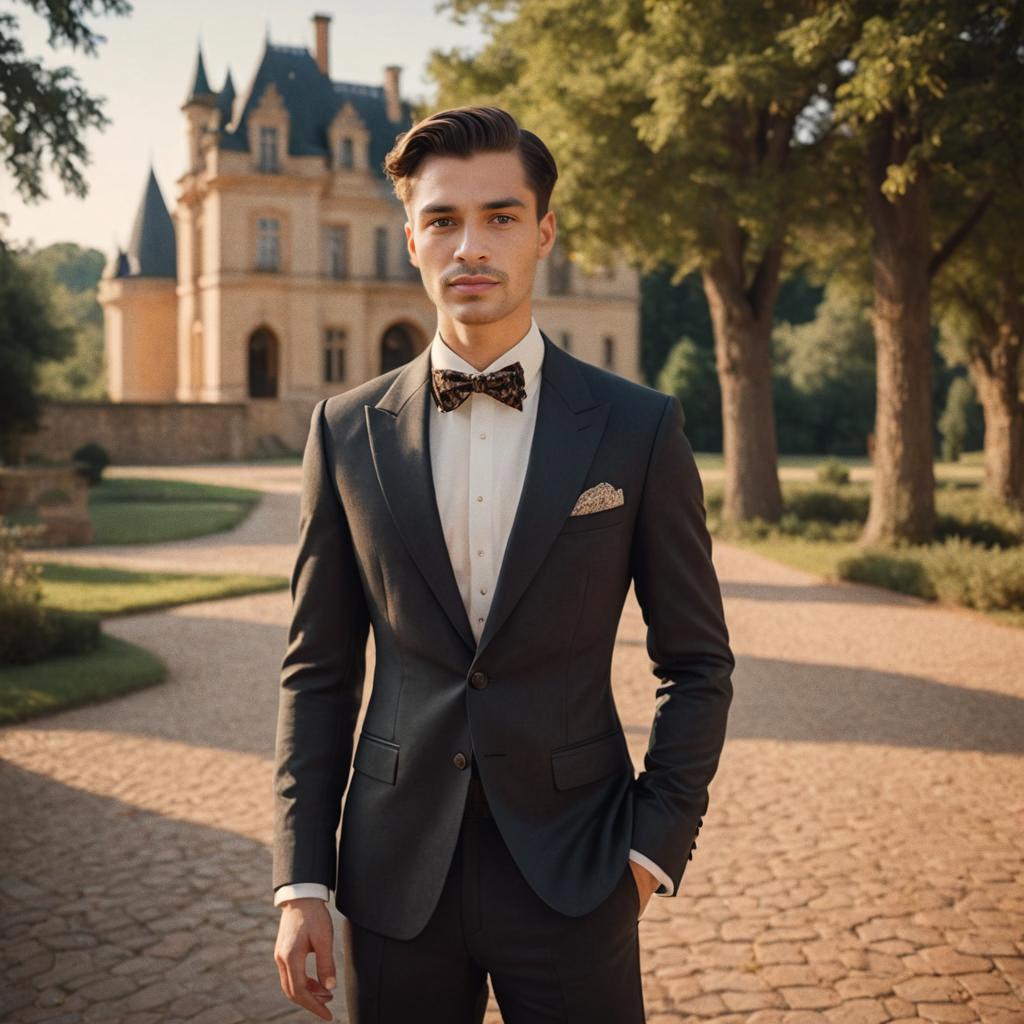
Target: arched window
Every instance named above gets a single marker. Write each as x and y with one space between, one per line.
346 155
396 347
263 363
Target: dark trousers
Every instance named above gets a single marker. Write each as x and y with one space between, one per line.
544 966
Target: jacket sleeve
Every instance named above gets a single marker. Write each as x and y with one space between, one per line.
688 644
321 679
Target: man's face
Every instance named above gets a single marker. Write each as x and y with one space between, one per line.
476 217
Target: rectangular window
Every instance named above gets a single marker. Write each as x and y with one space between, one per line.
380 252
337 251
268 245
347 154
609 351
268 150
558 271
334 353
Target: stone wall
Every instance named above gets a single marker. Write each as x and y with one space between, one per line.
144 433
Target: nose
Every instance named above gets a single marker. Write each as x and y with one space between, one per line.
471 248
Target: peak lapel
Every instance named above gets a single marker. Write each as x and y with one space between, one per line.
399 442
568 429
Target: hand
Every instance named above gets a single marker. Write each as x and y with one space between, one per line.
306 927
646 883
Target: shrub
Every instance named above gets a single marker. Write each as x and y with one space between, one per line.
92 459
833 471
904 573
28 630
956 571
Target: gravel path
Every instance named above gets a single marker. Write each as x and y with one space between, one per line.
862 859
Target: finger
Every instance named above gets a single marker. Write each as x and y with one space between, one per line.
325 971
305 998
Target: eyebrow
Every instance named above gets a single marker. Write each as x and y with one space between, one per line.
493 204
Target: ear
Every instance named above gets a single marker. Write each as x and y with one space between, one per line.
547 229
410 242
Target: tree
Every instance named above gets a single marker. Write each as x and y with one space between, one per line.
30 332
981 317
927 84
828 366
47 111
686 135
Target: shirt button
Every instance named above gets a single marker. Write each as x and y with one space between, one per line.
483 590
480 619
459 760
479 497
483 436
481 551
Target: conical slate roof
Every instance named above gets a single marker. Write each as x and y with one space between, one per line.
151 250
200 84
226 100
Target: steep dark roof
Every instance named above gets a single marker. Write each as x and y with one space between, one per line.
151 250
226 100
312 100
200 84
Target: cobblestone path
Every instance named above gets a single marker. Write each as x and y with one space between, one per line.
862 859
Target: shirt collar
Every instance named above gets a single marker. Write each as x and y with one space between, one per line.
529 350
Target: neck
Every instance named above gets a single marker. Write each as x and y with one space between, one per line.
481 344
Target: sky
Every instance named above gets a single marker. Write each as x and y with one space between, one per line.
144 71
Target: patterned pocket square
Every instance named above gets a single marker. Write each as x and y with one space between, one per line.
598 498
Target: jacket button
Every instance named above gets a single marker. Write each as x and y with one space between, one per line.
478 680
459 760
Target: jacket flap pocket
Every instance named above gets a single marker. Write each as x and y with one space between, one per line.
377 758
590 760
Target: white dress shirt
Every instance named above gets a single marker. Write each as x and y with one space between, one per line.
478 457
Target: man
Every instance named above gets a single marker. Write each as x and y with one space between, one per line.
484 507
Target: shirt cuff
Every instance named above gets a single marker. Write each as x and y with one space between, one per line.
300 890
666 888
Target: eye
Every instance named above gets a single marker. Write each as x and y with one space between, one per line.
438 220
506 216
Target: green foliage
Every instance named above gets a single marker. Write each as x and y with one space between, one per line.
953 423
955 571
673 130
73 274
833 471
31 331
28 630
93 458
689 374
825 376
46 113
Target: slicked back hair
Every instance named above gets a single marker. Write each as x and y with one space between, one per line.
463 131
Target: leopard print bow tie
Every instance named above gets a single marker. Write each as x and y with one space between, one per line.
452 387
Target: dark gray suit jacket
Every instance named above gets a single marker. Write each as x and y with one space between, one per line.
534 699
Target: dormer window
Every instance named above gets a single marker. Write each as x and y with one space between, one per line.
347 154
268 162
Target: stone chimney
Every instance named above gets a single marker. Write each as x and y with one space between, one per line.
394 100
321 23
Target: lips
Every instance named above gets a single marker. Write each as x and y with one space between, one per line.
471 285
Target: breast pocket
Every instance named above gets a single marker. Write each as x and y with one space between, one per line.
595 520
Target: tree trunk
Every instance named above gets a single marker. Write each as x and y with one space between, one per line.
742 324
994 361
903 479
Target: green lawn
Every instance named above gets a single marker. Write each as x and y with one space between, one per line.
107 592
114 668
141 511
